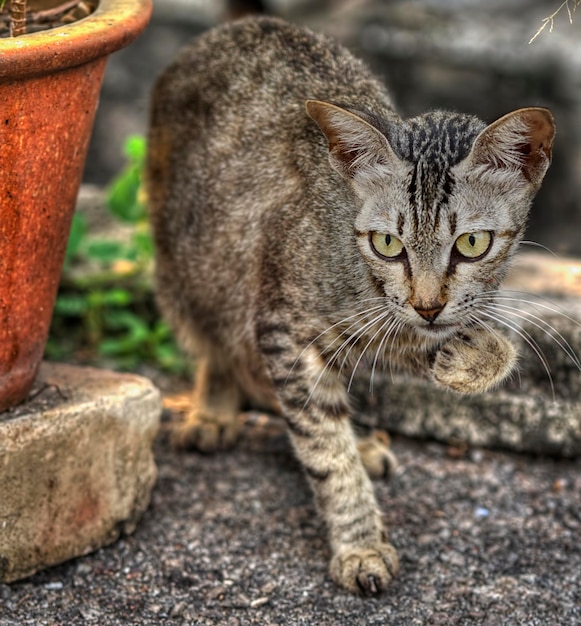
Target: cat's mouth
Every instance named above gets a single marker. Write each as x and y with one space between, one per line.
435 330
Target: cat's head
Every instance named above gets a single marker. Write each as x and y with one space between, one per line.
442 201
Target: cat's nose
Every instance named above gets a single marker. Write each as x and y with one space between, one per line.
430 314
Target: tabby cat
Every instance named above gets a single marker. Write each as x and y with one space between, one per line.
301 225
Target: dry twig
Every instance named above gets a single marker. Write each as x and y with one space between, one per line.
570 5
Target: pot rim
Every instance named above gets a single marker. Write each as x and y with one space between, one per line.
112 26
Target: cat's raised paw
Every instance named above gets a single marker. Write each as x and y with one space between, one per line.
365 570
474 361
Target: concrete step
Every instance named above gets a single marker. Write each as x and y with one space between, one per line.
76 465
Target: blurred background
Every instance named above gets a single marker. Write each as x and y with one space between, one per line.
464 55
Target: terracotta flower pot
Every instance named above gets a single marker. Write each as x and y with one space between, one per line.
49 89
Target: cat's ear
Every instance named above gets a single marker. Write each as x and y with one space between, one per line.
357 150
519 142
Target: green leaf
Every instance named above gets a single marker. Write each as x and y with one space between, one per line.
53 348
161 331
71 305
143 243
95 299
105 250
114 347
136 333
123 196
117 298
99 318
123 319
135 148
76 236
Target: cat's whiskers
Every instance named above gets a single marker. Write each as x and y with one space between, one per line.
473 318
359 334
538 245
524 296
371 340
391 329
352 339
538 322
492 300
527 337
397 330
339 323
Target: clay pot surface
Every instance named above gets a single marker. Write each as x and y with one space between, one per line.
49 90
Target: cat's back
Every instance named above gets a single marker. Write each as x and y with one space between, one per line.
231 107
234 160
262 60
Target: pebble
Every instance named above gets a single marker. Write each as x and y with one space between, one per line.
216 592
481 511
89 614
559 485
239 601
268 587
426 539
476 456
83 569
57 585
177 610
455 558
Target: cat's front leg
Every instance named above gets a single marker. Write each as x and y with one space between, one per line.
474 361
315 405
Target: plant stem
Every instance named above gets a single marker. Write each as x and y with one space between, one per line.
17 17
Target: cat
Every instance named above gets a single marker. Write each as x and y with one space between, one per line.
300 224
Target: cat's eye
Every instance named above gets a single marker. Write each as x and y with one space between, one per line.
474 245
386 246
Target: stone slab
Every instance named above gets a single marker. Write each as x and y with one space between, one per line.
76 465
532 423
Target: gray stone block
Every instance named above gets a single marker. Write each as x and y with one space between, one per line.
500 419
76 465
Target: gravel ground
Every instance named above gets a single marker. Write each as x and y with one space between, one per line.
233 539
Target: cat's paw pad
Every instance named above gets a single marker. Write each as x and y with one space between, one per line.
205 432
474 361
376 455
365 570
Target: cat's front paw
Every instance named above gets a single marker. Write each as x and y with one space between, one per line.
365 570
474 361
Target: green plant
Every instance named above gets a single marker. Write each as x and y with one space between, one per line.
105 312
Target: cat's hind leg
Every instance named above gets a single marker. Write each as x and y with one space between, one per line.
212 421
376 455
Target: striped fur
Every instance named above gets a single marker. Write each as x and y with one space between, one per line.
274 157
